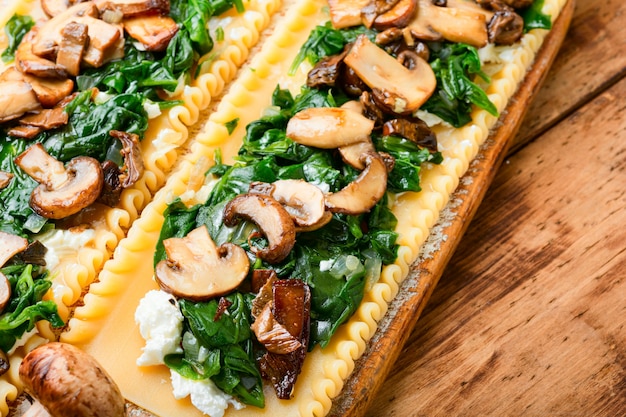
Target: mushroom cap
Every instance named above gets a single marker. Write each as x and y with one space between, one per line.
195 269
16 99
406 88
68 382
271 217
328 127
363 193
302 200
62 191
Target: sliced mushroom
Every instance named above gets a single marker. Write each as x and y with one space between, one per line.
48 37
328 127
413 129
5 179
290 307
196 269
46 119
302 200
271 217
272 334
62 191
133 162
54 7
30 63
4 363
363 193
103 41
16 99
506 27
69 382
153 32
130 8
344 13
10 245
49 91
456 24
397 17
406 89
326 72
351 154
74 42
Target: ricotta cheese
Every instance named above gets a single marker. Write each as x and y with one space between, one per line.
205 395
160 324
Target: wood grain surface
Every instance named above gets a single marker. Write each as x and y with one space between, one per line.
529 317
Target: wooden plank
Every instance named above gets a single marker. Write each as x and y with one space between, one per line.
592 57
529 318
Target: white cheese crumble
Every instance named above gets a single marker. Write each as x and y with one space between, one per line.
205 395
63 244
160 324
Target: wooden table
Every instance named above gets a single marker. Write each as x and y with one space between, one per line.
529 317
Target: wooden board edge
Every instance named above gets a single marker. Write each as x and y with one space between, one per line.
372 368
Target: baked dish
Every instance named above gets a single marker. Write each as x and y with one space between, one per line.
246 268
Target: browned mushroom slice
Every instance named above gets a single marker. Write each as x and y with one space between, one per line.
54 7
130 8
10 245
48 37
351 154
5 179
302 200
272 334
328 127
399 16
363 193
49 91
62 191
103 41
24 132
153 32
69 382
406 89
327 71
262 281
290 306
74 42
271 217
46 119
4 363
413 129
16 99
133 162
456 24
344 13
505 27
30 63
196 269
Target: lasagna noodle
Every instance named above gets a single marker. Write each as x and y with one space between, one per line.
161 148
105 326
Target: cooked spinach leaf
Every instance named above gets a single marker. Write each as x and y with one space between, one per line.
324 41
454 65
26 306
534 17
218 346
15 29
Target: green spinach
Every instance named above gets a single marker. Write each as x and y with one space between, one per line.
26 307
15 29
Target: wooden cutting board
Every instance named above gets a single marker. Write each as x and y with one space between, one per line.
373 367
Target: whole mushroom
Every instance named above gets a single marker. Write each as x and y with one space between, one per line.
68 382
